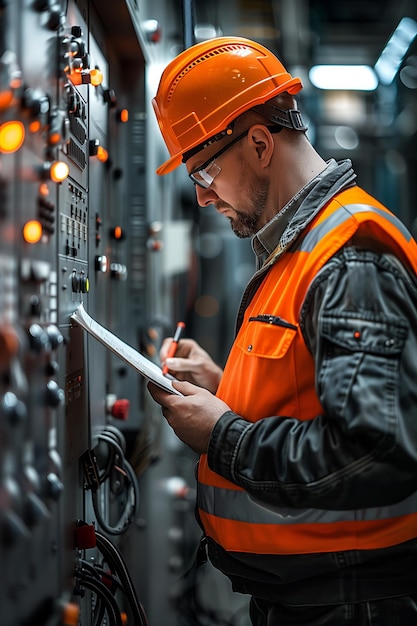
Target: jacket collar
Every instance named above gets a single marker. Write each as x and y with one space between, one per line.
280 232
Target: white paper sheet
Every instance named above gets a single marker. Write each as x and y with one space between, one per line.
132 357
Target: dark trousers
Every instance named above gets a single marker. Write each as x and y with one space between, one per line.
388 612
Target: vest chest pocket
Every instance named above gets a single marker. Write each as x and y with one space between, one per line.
266 336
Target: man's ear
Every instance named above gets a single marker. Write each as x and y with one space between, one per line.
263 143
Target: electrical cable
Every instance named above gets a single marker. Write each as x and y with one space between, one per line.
116 561
116 461
103 595
99 574
130 510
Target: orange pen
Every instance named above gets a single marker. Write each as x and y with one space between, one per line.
173 347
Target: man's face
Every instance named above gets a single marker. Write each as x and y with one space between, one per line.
237 192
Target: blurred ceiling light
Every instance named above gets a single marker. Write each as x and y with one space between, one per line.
392 55
344 77
205 31
346 137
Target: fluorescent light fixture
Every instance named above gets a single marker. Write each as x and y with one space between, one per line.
352 77
394 52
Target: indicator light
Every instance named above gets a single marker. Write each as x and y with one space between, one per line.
5 99
12 135
54 138
96 77
102 154
35 126
123 115
58 171
43 189
117 233
32 231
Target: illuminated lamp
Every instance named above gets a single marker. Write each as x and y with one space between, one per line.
5 99
96 77
54 138
35 126
102 154
344 77
32 231
117 233
12 135
43 190
58 171
123 116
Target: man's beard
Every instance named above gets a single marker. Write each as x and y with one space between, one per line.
246 224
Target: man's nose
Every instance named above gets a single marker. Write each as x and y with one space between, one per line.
205 196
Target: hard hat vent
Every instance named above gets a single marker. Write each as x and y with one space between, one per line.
204 57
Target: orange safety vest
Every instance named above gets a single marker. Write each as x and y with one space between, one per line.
271 372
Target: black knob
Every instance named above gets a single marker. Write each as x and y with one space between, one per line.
38 338
54 486
54 395
13 409
55 336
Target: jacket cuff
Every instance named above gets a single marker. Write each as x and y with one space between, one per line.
224 440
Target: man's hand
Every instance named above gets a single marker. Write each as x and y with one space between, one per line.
193 415
192 363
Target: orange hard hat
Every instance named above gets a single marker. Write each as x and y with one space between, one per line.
209 85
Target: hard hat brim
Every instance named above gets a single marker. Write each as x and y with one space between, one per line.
169 165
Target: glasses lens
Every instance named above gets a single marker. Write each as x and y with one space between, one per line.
205 176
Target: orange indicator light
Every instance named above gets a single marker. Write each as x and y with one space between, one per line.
35 126
43 189
118 233
124 116
96 77
12 135
102 154
58 171
32 231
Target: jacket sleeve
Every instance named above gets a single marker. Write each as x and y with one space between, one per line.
359 320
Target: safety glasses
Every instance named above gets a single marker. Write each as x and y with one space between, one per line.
204 174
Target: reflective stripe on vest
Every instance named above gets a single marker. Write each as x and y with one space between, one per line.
233 504
264 354
311 240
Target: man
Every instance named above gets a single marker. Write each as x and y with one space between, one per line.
308 439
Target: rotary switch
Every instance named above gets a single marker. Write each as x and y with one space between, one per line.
55 336
13 409
54 395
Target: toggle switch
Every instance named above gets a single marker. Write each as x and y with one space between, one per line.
80 282
101 263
